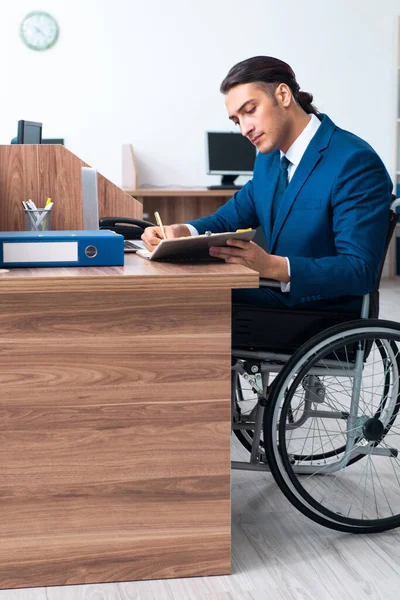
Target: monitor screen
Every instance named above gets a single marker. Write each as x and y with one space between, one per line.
29 132
229 153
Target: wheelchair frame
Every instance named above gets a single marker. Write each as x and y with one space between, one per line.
256 366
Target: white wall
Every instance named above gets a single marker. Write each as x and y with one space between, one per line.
148 73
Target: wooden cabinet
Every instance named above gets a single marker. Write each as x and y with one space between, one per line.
179 205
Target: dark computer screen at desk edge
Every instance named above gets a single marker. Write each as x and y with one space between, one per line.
30 132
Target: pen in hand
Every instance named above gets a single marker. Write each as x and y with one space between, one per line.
159 223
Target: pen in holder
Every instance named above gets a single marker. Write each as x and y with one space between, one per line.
38 220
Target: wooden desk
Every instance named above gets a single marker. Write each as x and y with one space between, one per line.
180 205
115 411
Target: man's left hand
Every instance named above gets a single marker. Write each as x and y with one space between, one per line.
253 256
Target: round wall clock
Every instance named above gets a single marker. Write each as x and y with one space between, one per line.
39 30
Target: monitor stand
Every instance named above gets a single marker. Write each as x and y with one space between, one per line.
227 183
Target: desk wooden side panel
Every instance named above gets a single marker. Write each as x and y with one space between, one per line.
41 171
181 209
180 206
114 451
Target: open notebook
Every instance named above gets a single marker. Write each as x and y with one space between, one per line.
194 247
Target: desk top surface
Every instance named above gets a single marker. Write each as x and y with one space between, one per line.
136 274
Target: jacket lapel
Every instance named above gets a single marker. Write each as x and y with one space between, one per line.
308 162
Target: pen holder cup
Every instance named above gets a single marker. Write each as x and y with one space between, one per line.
37 220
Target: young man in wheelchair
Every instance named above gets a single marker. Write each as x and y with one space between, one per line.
320 194
327 426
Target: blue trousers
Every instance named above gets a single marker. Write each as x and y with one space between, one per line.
273 297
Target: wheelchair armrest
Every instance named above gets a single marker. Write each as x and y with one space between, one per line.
395 204
271 283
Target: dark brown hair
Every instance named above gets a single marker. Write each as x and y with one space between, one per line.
267 70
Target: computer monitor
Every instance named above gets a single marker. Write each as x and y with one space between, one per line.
229 154
29 132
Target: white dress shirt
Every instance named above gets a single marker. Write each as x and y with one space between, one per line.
294 155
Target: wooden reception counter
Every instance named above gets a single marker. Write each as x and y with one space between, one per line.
115 409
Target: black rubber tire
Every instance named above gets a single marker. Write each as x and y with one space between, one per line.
306 504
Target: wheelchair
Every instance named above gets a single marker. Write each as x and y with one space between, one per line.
318 408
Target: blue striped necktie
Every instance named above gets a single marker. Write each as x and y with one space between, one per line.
281 186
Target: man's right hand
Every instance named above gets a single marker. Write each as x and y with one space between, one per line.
152 236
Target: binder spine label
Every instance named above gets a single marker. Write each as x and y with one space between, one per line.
40 252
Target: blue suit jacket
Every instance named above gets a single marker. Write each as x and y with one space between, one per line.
332 220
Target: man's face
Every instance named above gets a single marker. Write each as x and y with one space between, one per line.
261 118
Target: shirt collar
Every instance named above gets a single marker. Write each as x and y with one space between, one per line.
299 146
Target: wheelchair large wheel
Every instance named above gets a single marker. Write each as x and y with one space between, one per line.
332 440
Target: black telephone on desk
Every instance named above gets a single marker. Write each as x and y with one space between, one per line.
131 229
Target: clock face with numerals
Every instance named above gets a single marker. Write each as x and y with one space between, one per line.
39 30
